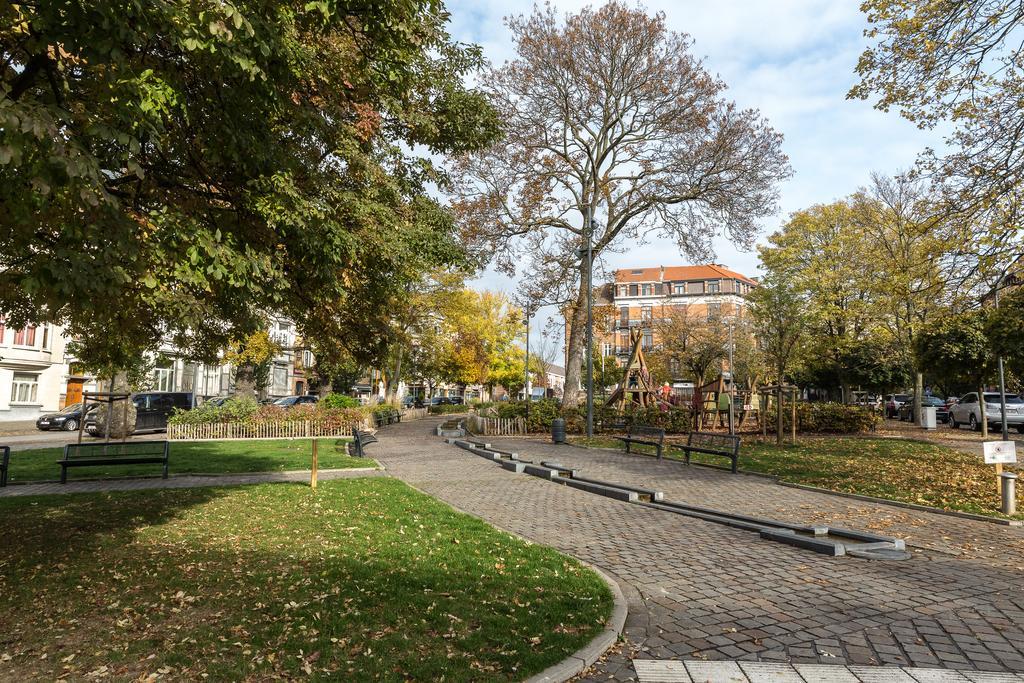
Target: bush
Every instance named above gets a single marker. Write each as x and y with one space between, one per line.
248 411
826 418
335 400
446 409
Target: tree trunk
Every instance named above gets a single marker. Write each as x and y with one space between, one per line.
393 378
778 415
245 381
918 393
981 409
577 345
117 417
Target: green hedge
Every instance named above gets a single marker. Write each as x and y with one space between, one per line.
446 409
827 418
248 411
339 401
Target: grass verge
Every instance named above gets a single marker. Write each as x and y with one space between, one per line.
904 470
205 457
364 579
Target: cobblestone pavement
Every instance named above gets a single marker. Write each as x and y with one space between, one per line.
698 590
179 482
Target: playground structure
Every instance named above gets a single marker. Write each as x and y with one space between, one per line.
710 402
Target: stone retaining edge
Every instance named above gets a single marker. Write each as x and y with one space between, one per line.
212 475
592 651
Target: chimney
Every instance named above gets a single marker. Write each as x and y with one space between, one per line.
661 275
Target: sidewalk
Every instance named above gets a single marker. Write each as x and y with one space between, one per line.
701 591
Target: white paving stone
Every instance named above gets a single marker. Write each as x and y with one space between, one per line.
936 675
825 673
716 672
990 677
661 671
881 674
766 672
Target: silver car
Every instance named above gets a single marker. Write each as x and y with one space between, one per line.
968 412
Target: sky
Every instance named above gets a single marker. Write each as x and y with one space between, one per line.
793 60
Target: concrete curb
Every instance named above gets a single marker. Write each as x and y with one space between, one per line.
210 475
592 651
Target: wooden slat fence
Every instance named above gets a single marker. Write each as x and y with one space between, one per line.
414 413
496 426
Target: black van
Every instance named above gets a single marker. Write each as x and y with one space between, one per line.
152 408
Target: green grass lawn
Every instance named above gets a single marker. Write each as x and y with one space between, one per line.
205 457
363 579
903 470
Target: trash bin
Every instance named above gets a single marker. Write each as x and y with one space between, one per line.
558 430
928 417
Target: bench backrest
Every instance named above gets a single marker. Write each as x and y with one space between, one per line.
127 449
721 442
647 432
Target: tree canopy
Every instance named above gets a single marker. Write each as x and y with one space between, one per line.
175 169
608 115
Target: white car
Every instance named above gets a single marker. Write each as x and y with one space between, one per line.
968 412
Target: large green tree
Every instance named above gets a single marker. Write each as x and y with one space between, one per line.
178 168
959 65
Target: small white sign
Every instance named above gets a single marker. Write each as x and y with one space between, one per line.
1000 452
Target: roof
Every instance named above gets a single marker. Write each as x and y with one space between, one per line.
709 271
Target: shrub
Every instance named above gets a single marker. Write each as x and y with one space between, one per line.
335 400
826 418
248 411
446 409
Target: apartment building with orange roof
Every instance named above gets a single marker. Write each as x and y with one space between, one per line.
639 297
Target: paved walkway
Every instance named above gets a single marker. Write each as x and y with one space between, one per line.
180 482
701 591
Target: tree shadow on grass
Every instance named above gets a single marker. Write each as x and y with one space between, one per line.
252 581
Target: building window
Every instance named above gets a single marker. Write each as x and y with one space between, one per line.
2 329
647 289
679 288
280 385
695 288
648 342
714 286
730 286
634 290
26 336
645 314
623 290
624 316
714 311
46 337
25 388
673 366
606 349
680 309
163 378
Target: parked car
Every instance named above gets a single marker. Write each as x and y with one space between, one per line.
893 402
67 419
456 400
968 412
152 408
906 411
412 402
440 401
289 401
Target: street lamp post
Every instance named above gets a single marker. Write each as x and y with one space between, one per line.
589 231
526 379
1002 382
732 382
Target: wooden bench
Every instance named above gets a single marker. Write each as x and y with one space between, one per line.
725 445
385 418
5 461
643 434
122 453
360 439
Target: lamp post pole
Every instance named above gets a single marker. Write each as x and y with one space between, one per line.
1002 382
732 382
526 379
589 232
